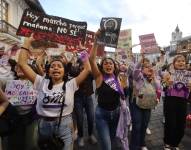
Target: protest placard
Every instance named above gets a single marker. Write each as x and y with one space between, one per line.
20 92
181 76
124 46
110 28
89 40
148 43
52 28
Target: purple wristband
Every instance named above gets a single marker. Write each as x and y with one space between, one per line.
83 55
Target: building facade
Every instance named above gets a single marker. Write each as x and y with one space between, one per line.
10 15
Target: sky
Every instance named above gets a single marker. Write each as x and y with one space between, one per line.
142 16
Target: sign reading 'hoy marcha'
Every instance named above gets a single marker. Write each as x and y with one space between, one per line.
52 28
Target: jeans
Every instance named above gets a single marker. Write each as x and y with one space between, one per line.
65 132
106 124
140 120
81 103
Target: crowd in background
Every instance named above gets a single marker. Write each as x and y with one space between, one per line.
125 93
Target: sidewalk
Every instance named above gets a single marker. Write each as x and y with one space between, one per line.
155 140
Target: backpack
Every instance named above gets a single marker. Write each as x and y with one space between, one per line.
146 97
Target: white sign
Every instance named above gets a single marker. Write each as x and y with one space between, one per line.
20 92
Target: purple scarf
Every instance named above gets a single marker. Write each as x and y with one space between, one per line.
113 83
124 118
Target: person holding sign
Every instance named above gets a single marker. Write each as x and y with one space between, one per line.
175 104
54 92
21 97
110 94
145 97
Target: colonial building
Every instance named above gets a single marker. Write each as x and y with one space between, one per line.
10 15
175 37
184 45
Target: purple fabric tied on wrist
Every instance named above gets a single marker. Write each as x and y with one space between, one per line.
83 55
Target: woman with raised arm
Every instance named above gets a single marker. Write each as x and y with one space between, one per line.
52 92
108 89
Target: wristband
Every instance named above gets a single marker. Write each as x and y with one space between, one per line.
25 48
83 55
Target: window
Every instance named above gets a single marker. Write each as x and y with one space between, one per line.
3 10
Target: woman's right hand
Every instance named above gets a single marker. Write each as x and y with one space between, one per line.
97 34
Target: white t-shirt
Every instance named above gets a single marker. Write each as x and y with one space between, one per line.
49 102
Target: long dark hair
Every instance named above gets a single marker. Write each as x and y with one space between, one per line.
115 67
65 77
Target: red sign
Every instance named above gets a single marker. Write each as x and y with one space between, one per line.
90 41
148 43
52 28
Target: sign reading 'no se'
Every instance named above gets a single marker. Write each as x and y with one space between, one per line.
52 28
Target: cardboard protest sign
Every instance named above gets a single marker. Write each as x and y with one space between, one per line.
90 41
20 92
148 43
52 28
125 39
181 76
124 46
110 28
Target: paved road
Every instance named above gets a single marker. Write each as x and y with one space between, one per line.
155 140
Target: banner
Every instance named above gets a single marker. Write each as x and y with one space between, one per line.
148 43
20 92
110 31
52 28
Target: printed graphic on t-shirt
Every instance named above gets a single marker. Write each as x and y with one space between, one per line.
111 82
53 100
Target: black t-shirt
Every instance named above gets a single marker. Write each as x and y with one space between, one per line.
108 98
86 87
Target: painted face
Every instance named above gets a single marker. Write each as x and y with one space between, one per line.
108 66
147 69
56 71
180 63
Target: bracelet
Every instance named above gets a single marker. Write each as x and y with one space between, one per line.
25 48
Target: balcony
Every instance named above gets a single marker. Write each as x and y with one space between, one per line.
8 33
